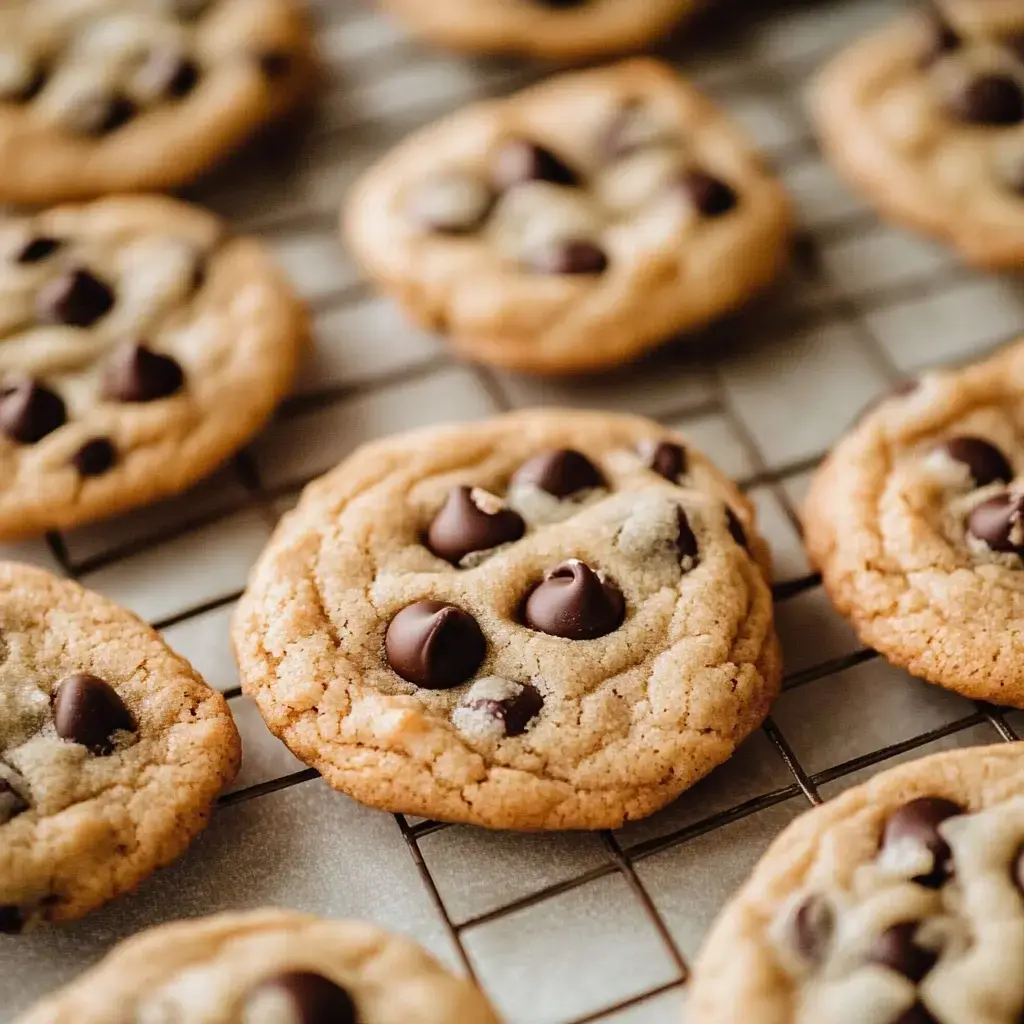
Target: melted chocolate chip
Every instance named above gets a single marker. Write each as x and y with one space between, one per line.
686 541
12 920
568 256
102 115
993 100
812 927
168 73
575 603
666 458
37 249
514 712
985 462
29 411
711 196
562 472
896 949
518 161
466 524
11 802
736 531
28 90
302 997
138 374
276 65
75 298
917 823
434 645
88 710
95 457
999 522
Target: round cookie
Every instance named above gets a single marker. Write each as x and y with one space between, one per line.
575 225
913 522
101 96
112 749
266 967
548 620
927 119
899 902
140 346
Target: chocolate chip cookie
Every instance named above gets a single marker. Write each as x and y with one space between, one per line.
914 521
266 967
548 620
101 96
140 346
900 902
112 750
927 119
574 225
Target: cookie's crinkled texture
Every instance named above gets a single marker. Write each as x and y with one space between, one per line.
80 824
885 112
685 220
165 275
207 971
841 858
102 96
886 521
527 729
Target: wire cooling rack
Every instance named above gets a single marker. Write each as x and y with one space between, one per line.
556 928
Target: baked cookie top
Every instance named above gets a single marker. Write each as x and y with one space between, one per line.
927 117
899 902
574 225
100 96
266 967
140 345
111 749
547 620
914 521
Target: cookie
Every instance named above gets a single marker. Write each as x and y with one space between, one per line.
112 750
101 96
140 346
913 522
548 620
266 967
574 225
568 30
899 902
926 118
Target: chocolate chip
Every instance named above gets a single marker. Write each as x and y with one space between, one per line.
138 374
512 712
568 256
98 115
711 196
736 531
942 37
11 802
29 411
999 522
276 64
95 457
37 249
917 1014
812 927
12 920
471 521
916 824
686 541
299 997
87 710
167 73
518 161
455 203
434 645
985 462
574 602
562 472
27 89
993 100
666 458
896 949
76 298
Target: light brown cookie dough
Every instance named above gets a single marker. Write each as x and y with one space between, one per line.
913 521
899 902
927 119
112 750
548 620
266 967
575 225
140 346
101 96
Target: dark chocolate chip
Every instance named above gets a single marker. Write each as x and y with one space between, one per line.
686 541
100 115
985 462
515 713
736 531
138 374
561 472
76 298
12 920
568 256
812 928
917 1014
463 526
87 710
666 458
896 949
710 195
11 802
999 522
573 602
917 823
276 65
29 411
993 100
28 90
37 249
518 161
168 73
310 999
95 457
434 645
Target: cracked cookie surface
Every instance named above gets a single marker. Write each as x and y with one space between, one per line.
266 967
913 521
140 347
112 749
574 225
547 620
